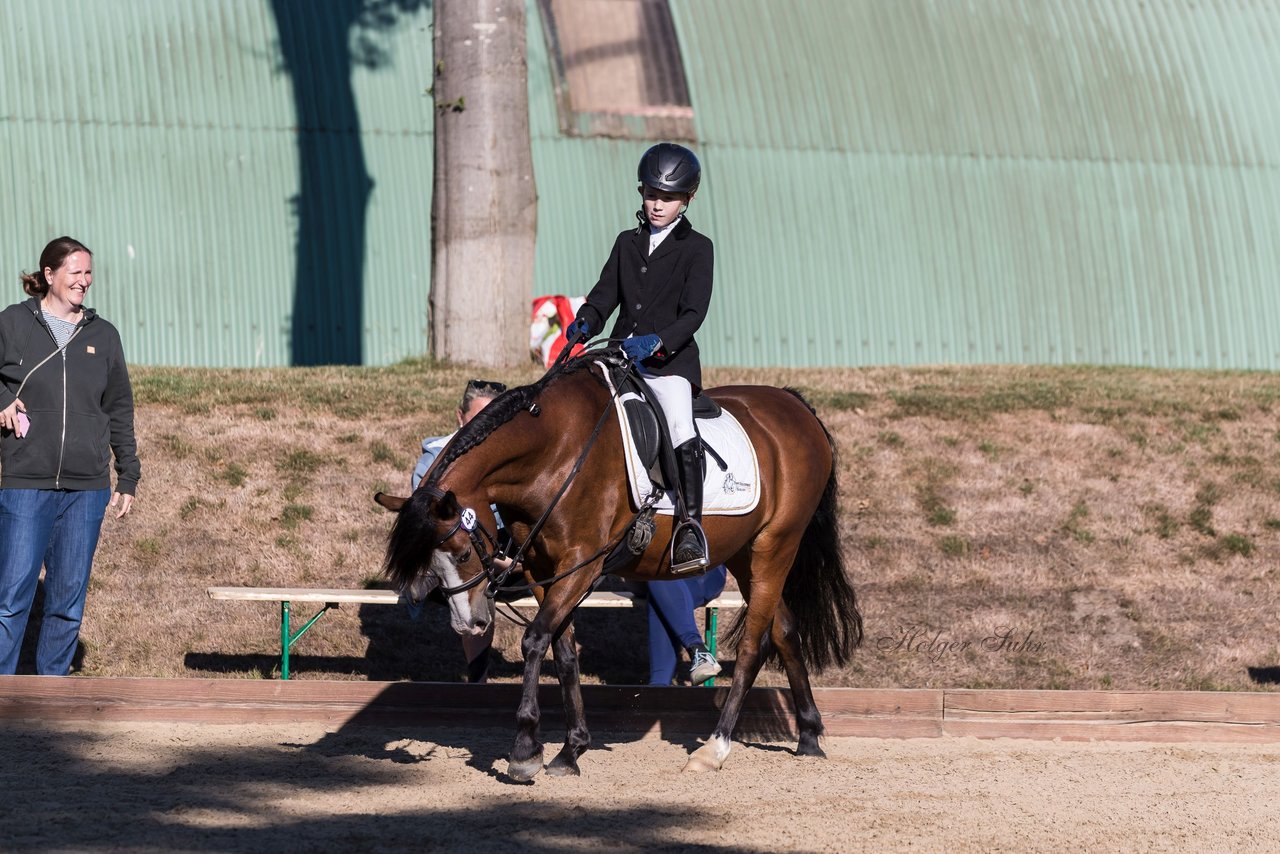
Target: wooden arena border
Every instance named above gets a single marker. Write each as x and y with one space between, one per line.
1154 716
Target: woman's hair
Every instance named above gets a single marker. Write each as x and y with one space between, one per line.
53 256
480 388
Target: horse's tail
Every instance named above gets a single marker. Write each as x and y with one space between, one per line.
817 589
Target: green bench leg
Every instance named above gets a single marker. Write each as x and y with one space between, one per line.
710 618
285 643
288 639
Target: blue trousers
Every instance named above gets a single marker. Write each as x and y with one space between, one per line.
59 530
672 626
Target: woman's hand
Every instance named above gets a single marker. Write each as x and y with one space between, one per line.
14 417
125 502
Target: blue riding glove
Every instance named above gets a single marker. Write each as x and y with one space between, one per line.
577 331
639 349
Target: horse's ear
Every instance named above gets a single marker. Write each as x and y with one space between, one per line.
447 506
392 502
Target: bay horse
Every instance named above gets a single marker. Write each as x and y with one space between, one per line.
560 488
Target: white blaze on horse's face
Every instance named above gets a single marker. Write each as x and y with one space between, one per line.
468 614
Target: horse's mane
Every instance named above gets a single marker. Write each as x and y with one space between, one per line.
506 406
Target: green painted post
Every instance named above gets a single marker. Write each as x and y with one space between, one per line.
709 617
285 640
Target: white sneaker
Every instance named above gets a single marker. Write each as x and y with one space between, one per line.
703 667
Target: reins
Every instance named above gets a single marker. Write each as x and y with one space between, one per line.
515 617
468 522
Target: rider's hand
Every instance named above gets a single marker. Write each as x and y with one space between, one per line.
576 332
638 349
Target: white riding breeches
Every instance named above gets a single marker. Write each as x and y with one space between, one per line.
675 396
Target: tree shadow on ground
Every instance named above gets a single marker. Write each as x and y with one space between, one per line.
221 799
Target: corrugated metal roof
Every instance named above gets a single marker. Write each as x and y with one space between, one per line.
1038 181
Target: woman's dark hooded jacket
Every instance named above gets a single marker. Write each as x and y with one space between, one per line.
80 404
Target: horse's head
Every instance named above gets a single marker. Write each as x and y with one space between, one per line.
442 535
432 545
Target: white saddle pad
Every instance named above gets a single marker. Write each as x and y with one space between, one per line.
729 492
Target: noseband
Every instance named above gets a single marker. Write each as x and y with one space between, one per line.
485 545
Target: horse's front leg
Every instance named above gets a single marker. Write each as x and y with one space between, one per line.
577 738
525 760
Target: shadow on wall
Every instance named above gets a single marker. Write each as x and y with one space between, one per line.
320 45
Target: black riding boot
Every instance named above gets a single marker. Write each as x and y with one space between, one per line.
690 551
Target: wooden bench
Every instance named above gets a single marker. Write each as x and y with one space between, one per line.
333 598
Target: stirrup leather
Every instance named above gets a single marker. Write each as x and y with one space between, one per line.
700 563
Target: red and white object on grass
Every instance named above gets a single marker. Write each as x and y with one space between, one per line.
551 317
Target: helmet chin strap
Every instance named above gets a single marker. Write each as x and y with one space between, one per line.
643 221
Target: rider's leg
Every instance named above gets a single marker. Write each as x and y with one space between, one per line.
675 395
689 457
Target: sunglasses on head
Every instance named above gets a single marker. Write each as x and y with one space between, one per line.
486 387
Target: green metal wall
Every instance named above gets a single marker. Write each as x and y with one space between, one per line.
887 181
211 153
1040 181
586 187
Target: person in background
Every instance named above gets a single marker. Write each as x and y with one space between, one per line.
475 397
66 409
672 626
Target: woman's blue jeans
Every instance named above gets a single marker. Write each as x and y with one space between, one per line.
59 530
672 626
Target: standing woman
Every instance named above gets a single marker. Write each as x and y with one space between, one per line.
66 407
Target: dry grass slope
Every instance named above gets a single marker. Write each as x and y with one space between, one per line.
1005 527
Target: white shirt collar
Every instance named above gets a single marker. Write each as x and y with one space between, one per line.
657 235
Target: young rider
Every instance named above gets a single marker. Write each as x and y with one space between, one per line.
658 277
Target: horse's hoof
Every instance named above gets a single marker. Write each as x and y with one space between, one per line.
523 772
708 757
558 768
810 747
696 763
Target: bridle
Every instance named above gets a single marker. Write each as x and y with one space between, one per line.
481 540
485 543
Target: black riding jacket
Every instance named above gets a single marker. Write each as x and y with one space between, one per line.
80 404
666 293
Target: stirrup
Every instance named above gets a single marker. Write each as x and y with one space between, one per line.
700 563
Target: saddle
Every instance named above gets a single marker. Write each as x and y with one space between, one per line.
731 486
648 424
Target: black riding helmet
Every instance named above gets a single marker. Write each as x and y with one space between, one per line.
670 168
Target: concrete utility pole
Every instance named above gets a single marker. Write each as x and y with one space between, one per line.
484 204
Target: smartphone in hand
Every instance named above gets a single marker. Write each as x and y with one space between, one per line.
24 424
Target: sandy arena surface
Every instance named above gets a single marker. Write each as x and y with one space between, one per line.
184 787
